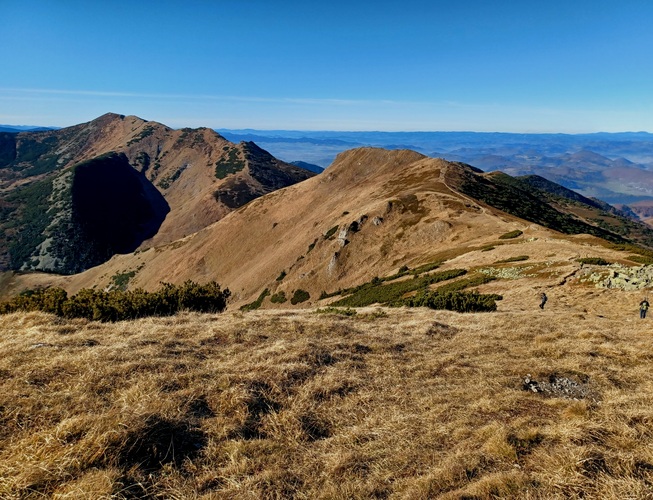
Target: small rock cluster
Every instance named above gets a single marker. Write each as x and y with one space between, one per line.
622 277
509 273
354 227
558 386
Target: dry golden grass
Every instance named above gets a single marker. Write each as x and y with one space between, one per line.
391 403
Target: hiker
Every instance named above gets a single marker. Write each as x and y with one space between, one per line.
643 307
544 298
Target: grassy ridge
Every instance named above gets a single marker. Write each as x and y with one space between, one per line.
522 200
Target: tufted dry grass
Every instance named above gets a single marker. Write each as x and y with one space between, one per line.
390 403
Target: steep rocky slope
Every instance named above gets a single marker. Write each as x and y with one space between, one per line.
199 176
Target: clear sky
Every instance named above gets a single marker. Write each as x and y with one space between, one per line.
478 65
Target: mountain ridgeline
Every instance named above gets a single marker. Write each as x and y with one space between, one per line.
72 198
353 234
137 203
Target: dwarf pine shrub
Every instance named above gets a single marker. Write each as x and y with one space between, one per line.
517 258
278 298
596 261
510 235
455 301
50 300
300 296
257 303
118 305
388 294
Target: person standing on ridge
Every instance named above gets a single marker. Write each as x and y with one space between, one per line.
643 307
543 299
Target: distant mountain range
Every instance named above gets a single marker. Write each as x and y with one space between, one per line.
24 128
125 200
615 167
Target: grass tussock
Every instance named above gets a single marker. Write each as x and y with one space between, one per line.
408 403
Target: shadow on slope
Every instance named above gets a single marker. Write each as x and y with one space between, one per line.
114 209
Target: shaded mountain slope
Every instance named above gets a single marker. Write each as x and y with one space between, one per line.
537 200
200 176
114 209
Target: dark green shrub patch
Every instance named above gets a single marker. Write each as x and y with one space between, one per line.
641 259
426 268
595 261
49 300
229 165
30 217
167 181
455 301
146 132
257 303
512 234
372 293
642 255
279 298
118 305
312 246
330 232
517 258
121 280
300 296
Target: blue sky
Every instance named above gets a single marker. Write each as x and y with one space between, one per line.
503 65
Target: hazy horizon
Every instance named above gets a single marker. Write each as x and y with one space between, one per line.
250 130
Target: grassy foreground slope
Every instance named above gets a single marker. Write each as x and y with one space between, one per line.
387 403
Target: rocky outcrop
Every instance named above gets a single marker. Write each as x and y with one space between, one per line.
620 276
353 227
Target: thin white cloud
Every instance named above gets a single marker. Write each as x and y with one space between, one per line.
213 97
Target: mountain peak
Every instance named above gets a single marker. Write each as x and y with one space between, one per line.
200 175
357 164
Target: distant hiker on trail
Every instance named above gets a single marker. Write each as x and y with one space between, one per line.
543 299
643 307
